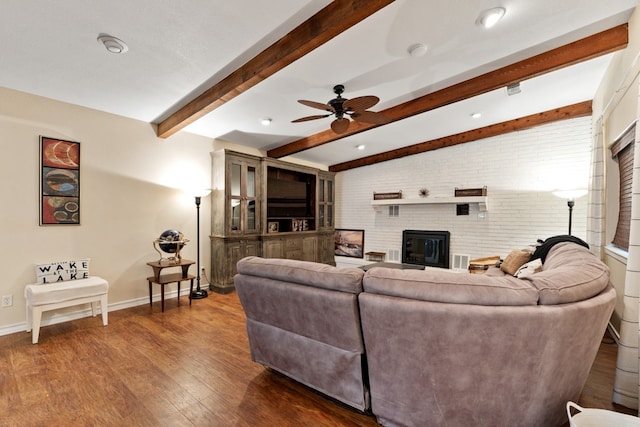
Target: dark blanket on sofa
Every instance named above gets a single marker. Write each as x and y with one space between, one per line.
544 248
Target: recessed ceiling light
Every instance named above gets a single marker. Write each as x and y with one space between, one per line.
360 147
476 115
490 17
113 44
266 121
416 50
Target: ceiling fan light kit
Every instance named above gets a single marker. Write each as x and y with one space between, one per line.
343 109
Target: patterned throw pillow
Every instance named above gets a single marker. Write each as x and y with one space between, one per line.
529 268
61 271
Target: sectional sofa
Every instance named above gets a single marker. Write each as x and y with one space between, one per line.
433 347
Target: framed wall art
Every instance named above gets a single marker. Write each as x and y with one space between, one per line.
349 243
59 181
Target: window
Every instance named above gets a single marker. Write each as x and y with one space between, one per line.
622 153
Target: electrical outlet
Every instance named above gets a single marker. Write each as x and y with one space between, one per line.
7 300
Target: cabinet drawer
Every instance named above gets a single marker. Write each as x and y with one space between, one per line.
293 244
293 254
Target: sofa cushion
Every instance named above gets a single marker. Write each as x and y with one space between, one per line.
569 273
450 287
53 293
304 273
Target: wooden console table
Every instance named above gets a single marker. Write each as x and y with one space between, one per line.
166 279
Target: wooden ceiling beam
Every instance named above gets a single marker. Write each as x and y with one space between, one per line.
334 19
576 110
582 50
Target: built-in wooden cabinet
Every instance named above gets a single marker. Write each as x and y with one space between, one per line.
270 208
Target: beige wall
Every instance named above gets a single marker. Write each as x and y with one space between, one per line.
617 102
618 272
129 195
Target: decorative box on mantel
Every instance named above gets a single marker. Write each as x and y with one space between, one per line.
470 192
387 196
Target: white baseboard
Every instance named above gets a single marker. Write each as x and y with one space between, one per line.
53 317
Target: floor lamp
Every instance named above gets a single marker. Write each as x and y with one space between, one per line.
198 293
570 196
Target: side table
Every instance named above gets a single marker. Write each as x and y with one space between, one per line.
166 279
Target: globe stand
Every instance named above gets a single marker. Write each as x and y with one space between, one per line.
172 242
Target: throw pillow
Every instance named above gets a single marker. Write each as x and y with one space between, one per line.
529 268
516 259
61 271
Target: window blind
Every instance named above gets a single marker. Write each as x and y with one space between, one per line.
622 150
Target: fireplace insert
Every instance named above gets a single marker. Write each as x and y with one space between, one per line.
428 248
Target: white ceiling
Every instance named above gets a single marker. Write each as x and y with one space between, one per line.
176 50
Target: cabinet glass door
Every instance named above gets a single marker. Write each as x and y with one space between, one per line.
325 202
251 201
329 203
236 177
321 203
243 196
235 214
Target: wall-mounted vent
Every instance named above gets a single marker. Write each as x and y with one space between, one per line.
393 255
460 262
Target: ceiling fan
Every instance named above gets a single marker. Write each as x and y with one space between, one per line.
343 108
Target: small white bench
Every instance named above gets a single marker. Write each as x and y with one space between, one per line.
52 296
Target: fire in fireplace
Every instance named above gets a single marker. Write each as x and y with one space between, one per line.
428 248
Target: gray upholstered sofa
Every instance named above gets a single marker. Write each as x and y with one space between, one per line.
427 348
303 321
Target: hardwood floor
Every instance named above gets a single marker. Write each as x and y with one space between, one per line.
188 366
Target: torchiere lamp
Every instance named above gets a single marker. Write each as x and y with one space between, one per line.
570 196
198 293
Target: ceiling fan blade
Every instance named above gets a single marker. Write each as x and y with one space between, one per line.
340 125
370 117
306 119
361 103
317 105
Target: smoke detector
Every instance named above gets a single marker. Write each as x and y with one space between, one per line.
417 50
113 44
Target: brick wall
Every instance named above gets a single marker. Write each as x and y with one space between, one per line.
520 170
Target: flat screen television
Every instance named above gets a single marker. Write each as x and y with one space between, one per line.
290 200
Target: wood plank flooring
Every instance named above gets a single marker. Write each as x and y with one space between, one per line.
188 366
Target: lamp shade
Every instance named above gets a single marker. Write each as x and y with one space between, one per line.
569 194
199 192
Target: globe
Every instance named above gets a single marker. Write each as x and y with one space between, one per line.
166 239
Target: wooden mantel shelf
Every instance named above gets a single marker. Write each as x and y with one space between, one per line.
481 201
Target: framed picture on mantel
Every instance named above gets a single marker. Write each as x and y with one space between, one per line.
349 243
